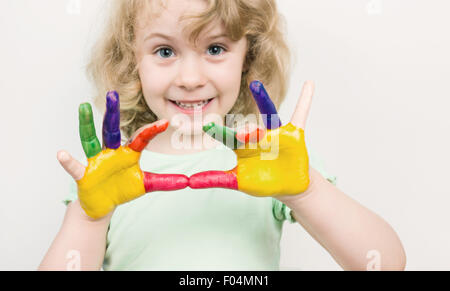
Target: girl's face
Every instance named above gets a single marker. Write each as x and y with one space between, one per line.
186 83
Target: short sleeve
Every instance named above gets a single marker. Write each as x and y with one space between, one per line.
281 212
72 195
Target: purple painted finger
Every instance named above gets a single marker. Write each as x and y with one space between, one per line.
265 105
111 122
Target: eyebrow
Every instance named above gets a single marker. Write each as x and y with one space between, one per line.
161 35
156 34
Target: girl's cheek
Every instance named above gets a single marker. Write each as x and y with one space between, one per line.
226 74
153 78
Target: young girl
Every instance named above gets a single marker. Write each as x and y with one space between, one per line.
190 63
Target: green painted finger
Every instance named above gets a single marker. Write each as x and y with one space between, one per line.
89 140
223 134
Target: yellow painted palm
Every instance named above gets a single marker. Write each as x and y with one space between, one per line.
271 161
113 175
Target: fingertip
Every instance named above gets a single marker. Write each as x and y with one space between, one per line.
255 87
303 107
84 107
162 124
195 181
112 100
251 134
311 83
308 88
208 126
62 156
112 95
85 113
184 181
141 139
156 128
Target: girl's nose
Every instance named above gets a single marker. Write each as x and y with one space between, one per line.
190 75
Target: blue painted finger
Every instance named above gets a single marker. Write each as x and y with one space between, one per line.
111 122
265 105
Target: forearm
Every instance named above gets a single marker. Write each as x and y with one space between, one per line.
80 243
347 230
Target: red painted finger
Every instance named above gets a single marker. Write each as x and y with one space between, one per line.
253 136
164 182
214 179
147 134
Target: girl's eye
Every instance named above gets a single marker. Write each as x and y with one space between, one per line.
215 50
165 52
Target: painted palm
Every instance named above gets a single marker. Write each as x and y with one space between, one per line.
271 161
113 175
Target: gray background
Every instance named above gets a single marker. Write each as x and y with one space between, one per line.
379 116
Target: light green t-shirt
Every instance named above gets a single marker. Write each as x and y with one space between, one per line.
196 229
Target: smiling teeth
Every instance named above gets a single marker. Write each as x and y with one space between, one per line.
192 105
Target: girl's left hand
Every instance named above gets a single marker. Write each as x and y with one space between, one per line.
271 162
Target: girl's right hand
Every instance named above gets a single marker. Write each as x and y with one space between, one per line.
113 175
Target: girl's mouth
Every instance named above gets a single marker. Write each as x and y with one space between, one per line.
191 107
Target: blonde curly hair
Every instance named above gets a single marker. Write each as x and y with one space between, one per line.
112 64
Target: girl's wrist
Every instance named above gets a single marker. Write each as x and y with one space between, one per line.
86 218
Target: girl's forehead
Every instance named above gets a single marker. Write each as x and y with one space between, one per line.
172 11
173 17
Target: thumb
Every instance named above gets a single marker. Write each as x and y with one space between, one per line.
72 166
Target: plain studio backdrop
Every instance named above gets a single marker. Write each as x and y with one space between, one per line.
379 117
